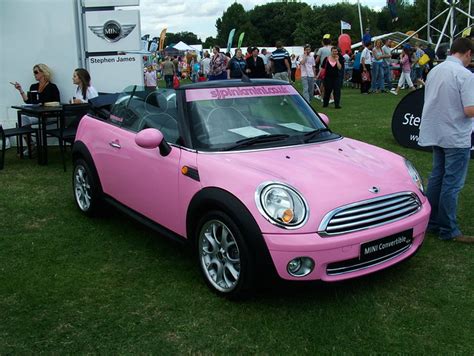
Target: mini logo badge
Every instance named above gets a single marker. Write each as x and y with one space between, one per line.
112 31
374 190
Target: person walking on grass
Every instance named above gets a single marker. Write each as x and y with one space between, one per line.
307 65
405 64
446 125
332 81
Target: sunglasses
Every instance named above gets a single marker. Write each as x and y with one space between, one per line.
35 72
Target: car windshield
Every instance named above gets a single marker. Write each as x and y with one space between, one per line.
138 108
251 117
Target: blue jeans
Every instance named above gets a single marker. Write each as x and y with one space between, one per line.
393 9
377 76
446 181
308 88
387 76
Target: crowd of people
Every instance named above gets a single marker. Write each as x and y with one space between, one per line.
372 68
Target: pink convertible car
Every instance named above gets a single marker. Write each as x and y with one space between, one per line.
254 179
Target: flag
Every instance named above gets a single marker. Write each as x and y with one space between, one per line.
230 39
345 25
241 39
162 39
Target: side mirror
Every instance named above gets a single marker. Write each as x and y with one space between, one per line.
151 139
324 117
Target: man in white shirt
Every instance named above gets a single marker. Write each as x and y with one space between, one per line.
307 65
366 63
446 125
206 63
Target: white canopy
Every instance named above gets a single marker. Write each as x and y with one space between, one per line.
181 46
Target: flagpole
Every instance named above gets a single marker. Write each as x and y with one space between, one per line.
360 21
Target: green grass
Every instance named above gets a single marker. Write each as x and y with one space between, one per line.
70 284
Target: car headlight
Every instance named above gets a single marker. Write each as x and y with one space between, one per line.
415 175
282 205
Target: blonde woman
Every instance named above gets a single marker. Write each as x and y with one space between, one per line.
41 92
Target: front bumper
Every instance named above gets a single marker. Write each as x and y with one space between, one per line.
329 250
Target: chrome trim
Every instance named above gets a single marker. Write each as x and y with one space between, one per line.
409 198
382 259
367 221
362 209
262 211
390 208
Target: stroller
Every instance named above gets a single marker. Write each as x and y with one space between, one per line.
317 91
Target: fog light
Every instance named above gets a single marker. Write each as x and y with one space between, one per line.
300 266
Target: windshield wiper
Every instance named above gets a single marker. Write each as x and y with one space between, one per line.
257 139
312 134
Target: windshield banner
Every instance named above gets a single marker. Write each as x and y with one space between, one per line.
240 92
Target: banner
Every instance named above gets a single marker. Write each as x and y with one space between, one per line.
162 39
241 39
345 25
230 39
407 118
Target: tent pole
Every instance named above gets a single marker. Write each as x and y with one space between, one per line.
360 21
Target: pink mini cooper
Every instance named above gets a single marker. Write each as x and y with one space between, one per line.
254 180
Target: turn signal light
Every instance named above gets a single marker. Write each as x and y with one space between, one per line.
287 216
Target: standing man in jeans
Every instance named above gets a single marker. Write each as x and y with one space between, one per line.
307 64
280 61
446 124
386 65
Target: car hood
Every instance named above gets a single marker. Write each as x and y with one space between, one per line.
328 175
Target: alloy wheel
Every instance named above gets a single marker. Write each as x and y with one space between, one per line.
219 256
82 188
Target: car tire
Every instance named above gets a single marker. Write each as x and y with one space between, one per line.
85 188
223 255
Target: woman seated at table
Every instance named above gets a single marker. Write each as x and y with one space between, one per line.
45 90
41 92
84 89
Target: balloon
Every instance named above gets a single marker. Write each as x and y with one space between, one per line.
344 43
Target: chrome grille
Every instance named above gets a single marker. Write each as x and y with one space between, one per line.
369 213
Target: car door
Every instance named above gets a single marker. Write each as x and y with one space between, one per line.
139 178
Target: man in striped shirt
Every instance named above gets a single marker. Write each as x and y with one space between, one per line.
280 62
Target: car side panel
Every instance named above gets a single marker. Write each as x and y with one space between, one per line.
138 178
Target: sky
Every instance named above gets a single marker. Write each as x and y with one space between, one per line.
199 16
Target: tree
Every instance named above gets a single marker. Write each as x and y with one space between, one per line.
236 17
209 43
277 21
185 36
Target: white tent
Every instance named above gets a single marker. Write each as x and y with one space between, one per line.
181 46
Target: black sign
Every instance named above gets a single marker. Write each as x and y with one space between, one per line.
406 121
386 246
407 118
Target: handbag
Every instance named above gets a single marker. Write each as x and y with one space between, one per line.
365 76
423 59
175 82
322 72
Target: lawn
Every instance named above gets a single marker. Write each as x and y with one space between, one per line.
70 284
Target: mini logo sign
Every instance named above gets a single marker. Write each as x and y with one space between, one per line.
112 31
374 190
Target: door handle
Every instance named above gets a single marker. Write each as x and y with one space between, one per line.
115 144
